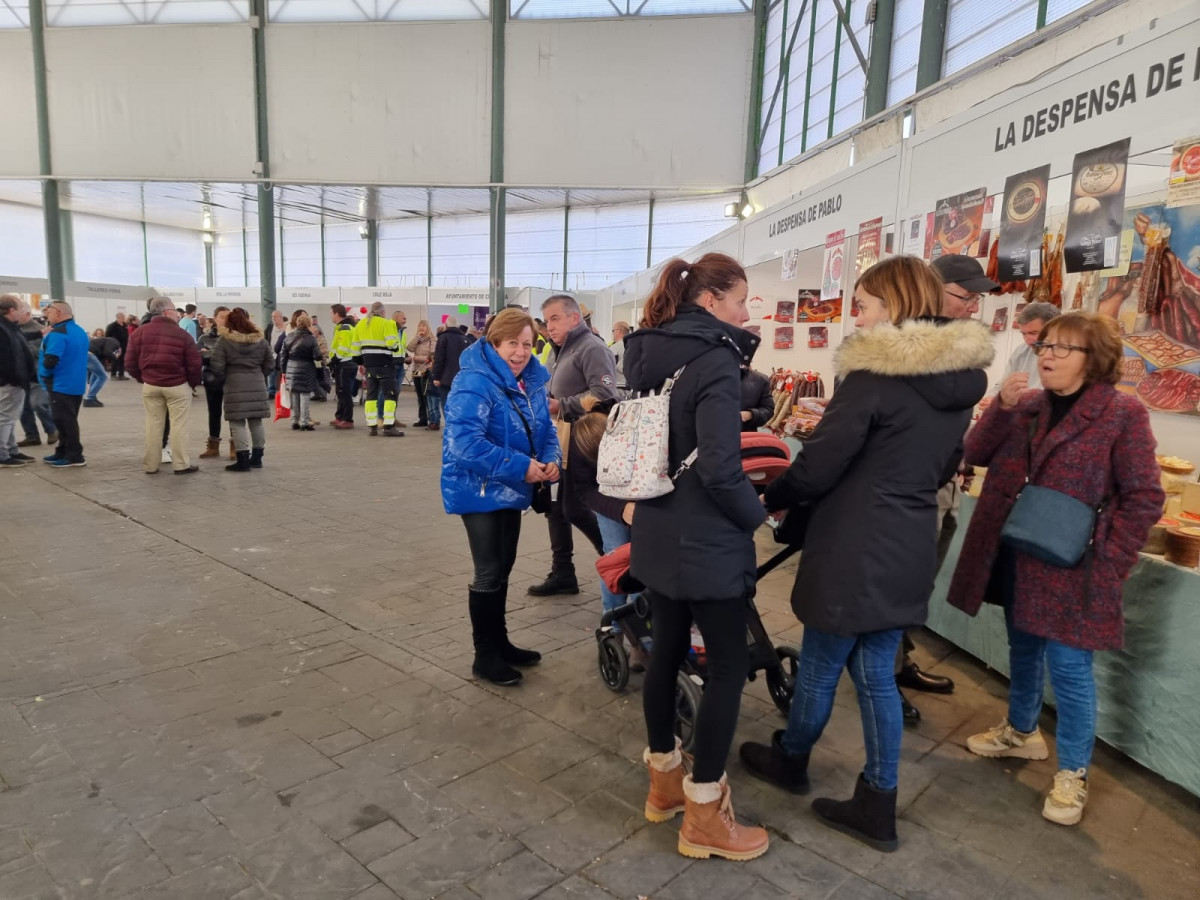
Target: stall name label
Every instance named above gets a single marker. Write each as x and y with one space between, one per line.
1104 98
806 216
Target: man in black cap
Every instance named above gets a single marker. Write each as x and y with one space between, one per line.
964 284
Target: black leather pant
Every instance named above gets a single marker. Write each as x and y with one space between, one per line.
493 537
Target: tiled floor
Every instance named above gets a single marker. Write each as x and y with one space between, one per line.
258 685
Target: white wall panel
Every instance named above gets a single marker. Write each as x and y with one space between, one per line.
171 102
22 241
175 256
18 150
229 261
381 103
112 251
605 102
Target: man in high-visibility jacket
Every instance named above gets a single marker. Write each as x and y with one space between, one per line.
376 347
401 321
342 365
542 348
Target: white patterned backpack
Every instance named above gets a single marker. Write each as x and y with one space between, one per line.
633 462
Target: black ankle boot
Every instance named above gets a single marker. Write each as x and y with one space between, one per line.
869 817
489 664
911 677
772 763
514 656
242 464
556 583
256 456
912 715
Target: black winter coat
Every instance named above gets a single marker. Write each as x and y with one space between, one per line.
872 469
697 542
118 333
17 365
757 399
299 358
449 348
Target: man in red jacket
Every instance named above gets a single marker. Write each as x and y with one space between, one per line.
164 359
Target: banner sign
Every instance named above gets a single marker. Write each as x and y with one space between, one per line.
1022 221
958 223
870 236
1097 208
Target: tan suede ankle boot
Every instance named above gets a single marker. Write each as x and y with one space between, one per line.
212 450
710 829
665 799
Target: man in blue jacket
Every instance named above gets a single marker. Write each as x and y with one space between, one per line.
62 371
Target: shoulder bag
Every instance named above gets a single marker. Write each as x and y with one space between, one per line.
541 491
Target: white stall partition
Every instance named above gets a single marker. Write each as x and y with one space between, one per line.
96 304
16 284
248 298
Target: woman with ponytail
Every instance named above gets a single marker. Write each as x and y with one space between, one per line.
694 547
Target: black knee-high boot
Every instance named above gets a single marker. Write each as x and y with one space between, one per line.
487 632
514 656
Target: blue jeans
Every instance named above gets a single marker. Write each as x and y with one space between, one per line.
37 409
871 659
613 533
435 400
96 377
1074 690
399 380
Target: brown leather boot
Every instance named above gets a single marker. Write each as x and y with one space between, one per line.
710 829
232 449
212 450
665 799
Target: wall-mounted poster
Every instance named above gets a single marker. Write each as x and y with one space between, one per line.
912 241
833 265
1097 206
1000 319
785 337
958 223
791 264
869 238
1022 221
785 311
1017 315
811 308
1183 181
818 336
479 317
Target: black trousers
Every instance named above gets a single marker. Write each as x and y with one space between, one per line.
215 396
493 537
722 623
65 410
345 377
421 386
381 386
562 542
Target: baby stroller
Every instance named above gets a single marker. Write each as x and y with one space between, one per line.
764 458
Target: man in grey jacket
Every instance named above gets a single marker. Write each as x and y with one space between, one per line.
582 365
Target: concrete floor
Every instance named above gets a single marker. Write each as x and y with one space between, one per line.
258 685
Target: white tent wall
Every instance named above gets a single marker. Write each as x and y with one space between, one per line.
22 240
612 102
18 150
154 102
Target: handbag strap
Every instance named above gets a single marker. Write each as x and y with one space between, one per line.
525 422
1033 427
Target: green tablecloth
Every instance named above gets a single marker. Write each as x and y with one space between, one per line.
1148 693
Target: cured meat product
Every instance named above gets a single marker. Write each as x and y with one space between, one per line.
1162 351
1171 390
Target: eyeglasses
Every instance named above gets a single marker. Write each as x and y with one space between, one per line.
968 299
1060 351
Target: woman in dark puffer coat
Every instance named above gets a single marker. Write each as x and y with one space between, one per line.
242 360
300 360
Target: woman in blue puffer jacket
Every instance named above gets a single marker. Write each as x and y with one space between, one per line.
499 443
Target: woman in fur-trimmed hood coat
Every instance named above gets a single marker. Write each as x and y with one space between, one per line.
243 362
891 436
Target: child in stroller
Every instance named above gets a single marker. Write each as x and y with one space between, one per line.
764 458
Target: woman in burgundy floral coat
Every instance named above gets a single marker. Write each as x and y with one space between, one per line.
1093 443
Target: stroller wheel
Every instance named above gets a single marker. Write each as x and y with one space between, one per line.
614 662
781 680
687 709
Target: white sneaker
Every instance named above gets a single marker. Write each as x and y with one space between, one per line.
1064 804
1004 740
166 454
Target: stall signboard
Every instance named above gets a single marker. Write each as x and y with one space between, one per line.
1022 221
229 296
870 235
958 224
315 297
833 265
1096 208
99 291
15 284
459 297
1183 180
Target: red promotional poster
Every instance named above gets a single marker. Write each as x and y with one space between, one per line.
818 336
785 337
785 311
958 224
869 238
833 266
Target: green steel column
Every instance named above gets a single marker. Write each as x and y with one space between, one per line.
837 58
812 40
933 43
66 231
1041 16
372 253
245 260
785 71
210 276
50 206
429 237
880 66
322 226
650 232
145 255
566 238
282 264
498 195
266 193
754 114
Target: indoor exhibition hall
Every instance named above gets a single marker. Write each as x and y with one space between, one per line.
630 449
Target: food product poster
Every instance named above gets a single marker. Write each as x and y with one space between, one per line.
785 311
811 308
833 265
1183 181
958 224
1000 319
791 264
818 336
1096 208
870 236
785 337
1017 315
1022 221
912 241
1157 305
